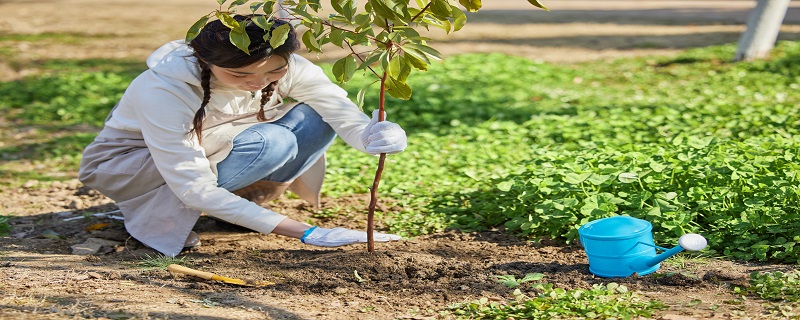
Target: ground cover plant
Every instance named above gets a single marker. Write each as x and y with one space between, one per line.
656 139
531 150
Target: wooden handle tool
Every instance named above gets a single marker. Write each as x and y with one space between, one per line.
211 276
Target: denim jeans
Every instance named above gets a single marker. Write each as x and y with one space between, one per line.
277 151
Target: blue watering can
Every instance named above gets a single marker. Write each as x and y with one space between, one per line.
621 246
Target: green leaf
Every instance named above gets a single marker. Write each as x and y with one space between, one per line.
382 10
628 177
407 32
344 68
459 18
700 143
307 16
427 50
400 8
337 6
349 9
227 20
361 93
310 41
195 29
397 89
255 6
440 8
262 22
536 3
221 2
237 3
399 69
505 186
471 5
363 20
575 178
269 6
373 57
337 37
657 166
279 36
440 23
240 39
346 8
384 60
417 59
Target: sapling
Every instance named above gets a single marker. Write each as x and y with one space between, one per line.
382 38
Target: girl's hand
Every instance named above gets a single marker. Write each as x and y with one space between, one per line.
340 236
383 137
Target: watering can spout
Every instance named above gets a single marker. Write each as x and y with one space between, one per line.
689 241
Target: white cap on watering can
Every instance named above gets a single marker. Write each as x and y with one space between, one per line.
692 242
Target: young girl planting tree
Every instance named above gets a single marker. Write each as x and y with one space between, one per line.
206 129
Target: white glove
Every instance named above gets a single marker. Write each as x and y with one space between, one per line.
340 236
383 137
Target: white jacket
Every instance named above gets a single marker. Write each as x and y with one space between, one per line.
160 105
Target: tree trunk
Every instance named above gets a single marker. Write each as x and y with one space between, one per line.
763 25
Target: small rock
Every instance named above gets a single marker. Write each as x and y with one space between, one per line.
30 184
340 290
92 246
63 214
80 277
75 204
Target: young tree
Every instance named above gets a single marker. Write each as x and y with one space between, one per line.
382 36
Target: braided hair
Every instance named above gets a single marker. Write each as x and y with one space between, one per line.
213 47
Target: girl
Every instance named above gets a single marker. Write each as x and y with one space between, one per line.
206 129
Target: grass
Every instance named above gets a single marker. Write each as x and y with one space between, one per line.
159 262
5 228
610 301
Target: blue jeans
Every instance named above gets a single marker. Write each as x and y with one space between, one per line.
277 151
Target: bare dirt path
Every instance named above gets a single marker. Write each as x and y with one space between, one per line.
41 278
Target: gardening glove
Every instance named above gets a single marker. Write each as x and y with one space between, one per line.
383 137
340 236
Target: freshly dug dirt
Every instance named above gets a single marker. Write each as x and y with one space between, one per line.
417 278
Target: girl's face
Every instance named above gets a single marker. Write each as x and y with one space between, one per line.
253 77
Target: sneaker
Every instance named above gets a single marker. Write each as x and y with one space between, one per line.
192 241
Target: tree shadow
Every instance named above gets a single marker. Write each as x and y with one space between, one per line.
621 42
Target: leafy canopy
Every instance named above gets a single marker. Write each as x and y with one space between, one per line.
387 28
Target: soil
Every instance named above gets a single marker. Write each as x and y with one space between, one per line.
41 277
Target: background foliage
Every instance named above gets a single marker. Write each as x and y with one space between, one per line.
690 143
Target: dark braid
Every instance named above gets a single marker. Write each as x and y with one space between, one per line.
266 93
205 82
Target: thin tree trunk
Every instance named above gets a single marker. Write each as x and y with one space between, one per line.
373 192
763 25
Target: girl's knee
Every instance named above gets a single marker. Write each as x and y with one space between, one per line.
266 138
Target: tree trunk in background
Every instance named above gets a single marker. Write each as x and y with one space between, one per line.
763 25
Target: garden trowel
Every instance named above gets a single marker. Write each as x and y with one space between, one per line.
212 276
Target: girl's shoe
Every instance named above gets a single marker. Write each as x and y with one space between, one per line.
192 241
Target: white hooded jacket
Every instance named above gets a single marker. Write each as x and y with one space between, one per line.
156 112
